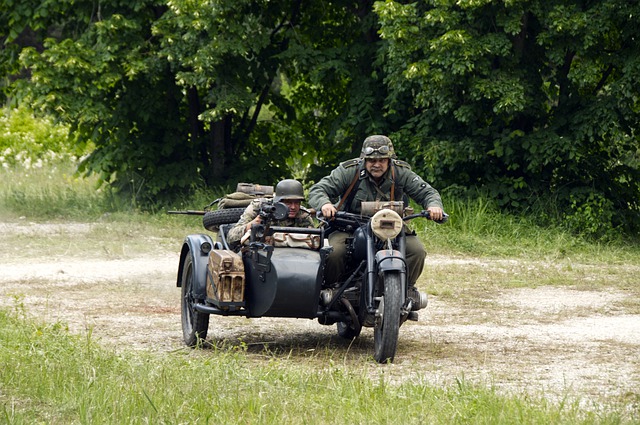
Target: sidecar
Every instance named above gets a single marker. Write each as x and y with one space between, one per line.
259 280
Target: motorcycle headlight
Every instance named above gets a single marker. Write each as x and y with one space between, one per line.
386 224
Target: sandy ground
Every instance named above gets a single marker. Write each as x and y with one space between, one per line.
547 341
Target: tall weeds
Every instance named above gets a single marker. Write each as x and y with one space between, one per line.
51 192
477 227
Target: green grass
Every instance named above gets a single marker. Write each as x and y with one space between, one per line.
51 376
51 192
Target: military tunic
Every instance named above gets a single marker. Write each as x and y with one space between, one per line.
333 186
302 219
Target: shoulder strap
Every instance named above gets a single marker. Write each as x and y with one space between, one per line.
343 198
350 193
393 180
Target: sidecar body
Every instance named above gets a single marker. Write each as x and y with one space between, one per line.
260 280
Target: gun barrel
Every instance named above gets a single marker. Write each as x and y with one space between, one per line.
187 212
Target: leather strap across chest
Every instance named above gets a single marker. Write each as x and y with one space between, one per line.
356 182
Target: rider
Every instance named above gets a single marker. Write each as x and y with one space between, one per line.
290 193
377 175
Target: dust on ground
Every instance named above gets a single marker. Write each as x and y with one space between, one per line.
550 340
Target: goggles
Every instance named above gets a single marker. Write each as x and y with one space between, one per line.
384 149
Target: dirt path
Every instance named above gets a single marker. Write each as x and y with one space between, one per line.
549 341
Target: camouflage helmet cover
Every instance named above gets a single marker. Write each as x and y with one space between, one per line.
377 147
288 189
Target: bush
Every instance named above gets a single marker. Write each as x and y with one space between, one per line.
39 169
30 142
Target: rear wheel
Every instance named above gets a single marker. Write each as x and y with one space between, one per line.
194 323
387 326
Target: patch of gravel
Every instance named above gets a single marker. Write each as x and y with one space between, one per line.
552 299
36 229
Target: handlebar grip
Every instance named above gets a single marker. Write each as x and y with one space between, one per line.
445 218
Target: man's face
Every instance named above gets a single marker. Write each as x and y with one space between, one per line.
293 205
377 166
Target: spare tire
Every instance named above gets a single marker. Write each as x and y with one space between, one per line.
213 219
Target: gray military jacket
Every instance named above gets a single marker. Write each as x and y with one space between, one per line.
302 219
330 188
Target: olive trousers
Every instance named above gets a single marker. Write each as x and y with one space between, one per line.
336 262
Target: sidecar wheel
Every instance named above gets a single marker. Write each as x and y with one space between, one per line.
385 336
213 219
194 324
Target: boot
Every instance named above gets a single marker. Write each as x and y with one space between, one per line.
419 299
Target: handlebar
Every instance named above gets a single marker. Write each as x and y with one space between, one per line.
342 218
426 214
346 218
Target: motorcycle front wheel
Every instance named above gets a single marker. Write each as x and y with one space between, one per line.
385 337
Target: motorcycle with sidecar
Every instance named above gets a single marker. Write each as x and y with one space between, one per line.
267 278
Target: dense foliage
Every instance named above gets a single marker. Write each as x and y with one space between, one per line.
527 100
179 93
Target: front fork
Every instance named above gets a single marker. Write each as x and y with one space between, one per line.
384 260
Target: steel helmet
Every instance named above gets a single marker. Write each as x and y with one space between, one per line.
288 189
377 147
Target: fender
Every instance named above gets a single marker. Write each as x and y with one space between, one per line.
195 245
390 260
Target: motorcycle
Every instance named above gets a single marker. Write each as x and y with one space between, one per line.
263 278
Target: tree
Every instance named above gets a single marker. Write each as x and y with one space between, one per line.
527 99
208 92
289 81
95 67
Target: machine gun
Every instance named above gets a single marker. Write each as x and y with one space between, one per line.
205 210
270 211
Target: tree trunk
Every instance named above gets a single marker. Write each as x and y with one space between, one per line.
219 142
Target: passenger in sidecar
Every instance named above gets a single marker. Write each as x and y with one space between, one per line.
284 210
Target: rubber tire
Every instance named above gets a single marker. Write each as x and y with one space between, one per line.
213 219
194 323
385 333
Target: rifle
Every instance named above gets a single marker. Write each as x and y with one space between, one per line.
196 212
187 212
